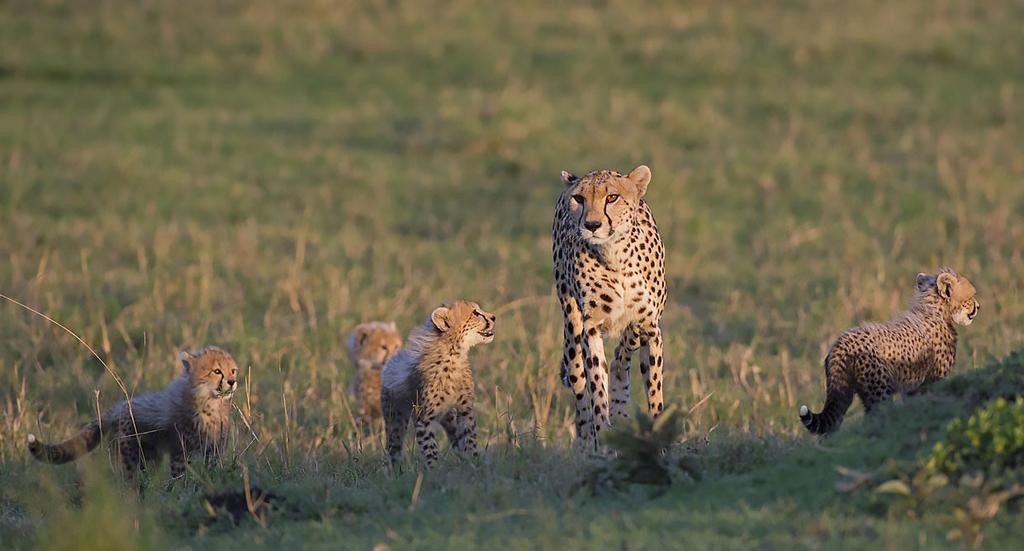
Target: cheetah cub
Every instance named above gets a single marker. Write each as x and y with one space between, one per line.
370 346
189 416
876 360
430 380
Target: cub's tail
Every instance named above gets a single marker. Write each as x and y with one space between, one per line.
68 450
838 398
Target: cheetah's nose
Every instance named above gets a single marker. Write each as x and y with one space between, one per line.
592 224
231 382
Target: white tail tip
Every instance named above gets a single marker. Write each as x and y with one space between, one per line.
803 411
31 438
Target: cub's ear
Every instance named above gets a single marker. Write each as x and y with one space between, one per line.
923 280
186 358
393 327
944 284
361 334
568 178
440 318
641 176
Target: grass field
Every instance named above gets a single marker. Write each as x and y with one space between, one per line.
265 175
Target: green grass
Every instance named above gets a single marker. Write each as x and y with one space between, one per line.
265 175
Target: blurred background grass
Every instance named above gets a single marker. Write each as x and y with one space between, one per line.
265 175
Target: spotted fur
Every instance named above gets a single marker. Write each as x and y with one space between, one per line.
431 381
877 360
370 346
189 416
609 268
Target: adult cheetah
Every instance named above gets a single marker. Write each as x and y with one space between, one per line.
610 279
876 360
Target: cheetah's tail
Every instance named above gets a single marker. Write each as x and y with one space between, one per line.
68 450
838 398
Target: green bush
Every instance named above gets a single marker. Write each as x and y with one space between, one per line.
990 440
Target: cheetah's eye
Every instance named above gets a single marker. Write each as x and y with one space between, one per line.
477 313
218 372
611 198
578 198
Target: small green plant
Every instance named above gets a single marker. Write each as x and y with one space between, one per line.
981 502
975 499
914 494
990 440
642 455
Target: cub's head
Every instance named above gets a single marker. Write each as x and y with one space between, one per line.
464 321
603 203
374 342
953 292
211 371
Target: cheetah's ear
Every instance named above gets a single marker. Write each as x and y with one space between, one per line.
361 334
440 318
944 283
186 358
568 178
641 176
923 281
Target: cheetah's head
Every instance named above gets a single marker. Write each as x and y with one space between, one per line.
604 202
211 371
465 321
953 292
375 342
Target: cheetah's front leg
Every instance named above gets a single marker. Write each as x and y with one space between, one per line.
597 372
425 438
652 360
619 376
179 463
362 397
460 424
181 453
575 373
